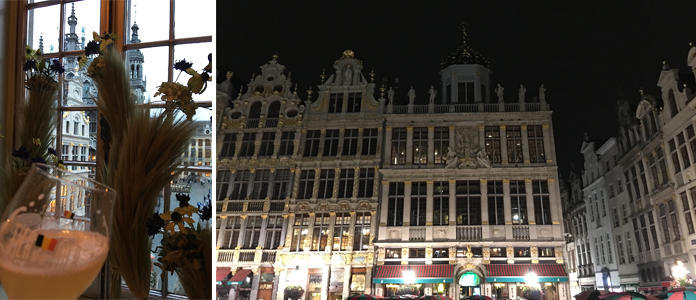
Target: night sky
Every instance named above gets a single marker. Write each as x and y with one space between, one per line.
582 51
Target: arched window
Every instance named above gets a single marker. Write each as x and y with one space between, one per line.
274 110
255 110
672 104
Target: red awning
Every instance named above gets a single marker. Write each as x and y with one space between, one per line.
541 270
650 289
421 271
240 276
221 273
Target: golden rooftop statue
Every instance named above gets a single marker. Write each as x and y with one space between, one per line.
348 53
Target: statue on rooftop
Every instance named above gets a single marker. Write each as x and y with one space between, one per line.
390 95
499 91
522 91
542 93
432 93
411 95
348 75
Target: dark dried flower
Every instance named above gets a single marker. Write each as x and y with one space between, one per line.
205 76
92 48
182 65
22 153
52 151
154 224
29 65
38 159
183 200
205 211
57 67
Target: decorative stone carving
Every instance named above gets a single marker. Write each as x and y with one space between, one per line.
440 233
381 252
544 232
364 204
404 253
486 252
500 91
452 252
497 233
428 252
394 234
559 252
534 251
510 252
303 206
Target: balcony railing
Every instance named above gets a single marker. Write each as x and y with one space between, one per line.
466 108
252 123
235 206
247 255
277 206
520 232
271 123
469 233
255 206
416 234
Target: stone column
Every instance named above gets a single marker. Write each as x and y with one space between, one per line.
556 209
385 204
378 150
283 232
279 284
484 202
242 229
368 280
431 146
310 231
409 145
407 203
341 135
238 145
549 148
346 281
373 227
288 234
452 139
358 152
276 143
507 206
530 202
322 138
332 222
429 207
269 193
262 234
324 283
296 142
257 149
356 183
255 283
223 231
407 212
351 230
315 186
295 173
387 147
525 144
337 179
452 202
250 183
503 146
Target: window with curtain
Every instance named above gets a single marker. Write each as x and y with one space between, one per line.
496 212
441 141
341 232
369 138
440 203
419 197
300 233
518 202
361 239
542 207
398 148
420 145
468 195
395 208
492 143
513 138
320 235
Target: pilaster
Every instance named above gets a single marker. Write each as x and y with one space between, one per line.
431 146
484 202
503 146
525 144
387 147
530 202
409 145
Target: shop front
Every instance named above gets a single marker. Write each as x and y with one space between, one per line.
416 280
529 281
222 288
469 285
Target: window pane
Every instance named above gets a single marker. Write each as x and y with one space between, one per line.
42 24
184 11
78 136
78 89
198 54
151 29
86 21
155 70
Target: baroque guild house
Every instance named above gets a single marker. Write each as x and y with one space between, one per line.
344 192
